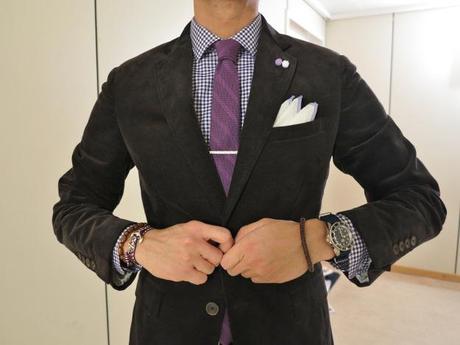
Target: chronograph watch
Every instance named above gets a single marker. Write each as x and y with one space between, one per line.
339 236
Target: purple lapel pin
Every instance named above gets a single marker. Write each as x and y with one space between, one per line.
281 62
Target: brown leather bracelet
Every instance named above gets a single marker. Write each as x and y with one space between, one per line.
311 268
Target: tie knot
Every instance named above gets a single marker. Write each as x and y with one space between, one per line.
227 49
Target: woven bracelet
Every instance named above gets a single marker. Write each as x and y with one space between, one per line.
135 238
311 268
119 245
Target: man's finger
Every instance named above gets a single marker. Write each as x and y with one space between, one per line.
246 229
203 265
247 273
197 277
210 252
232 257
238 268
216 233
225 246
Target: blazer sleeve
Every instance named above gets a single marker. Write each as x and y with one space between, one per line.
403 208
90 190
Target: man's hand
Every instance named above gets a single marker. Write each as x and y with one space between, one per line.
182 252
270 250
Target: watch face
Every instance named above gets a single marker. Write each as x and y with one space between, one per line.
341 236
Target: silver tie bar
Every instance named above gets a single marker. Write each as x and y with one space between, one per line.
217 152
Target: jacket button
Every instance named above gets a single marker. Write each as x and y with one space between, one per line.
87 262
212 308
413 240
401 246
93 265
407 243
396 249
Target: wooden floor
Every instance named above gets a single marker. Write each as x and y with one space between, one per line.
397 309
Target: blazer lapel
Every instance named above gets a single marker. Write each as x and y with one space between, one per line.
174 84
268 89
269 86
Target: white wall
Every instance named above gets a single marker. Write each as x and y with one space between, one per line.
301 17
367 42
48 74
275 13
424 102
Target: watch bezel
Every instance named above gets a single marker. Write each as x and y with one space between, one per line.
333 230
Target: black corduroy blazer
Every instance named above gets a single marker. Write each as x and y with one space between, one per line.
144 117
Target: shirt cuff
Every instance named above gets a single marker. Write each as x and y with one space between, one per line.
359 260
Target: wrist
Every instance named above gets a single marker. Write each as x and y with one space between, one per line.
316 236
136 239
139 251
339 236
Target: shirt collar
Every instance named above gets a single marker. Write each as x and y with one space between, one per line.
202 38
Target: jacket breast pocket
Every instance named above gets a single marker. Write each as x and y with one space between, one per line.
297 131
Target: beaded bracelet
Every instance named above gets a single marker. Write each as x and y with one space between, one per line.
136 238
124 255
124 235
311 268
118 264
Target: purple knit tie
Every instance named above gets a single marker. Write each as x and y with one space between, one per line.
225 126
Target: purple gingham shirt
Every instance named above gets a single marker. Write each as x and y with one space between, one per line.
204 65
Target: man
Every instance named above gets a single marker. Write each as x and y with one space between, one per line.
221 259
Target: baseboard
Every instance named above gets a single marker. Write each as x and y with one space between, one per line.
426 273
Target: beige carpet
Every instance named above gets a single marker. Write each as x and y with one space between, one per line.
397 309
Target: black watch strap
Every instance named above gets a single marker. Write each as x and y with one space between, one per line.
341 259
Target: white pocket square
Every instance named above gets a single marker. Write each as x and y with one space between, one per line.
290 112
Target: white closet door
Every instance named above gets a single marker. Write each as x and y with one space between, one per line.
426 103
48 87
124 31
